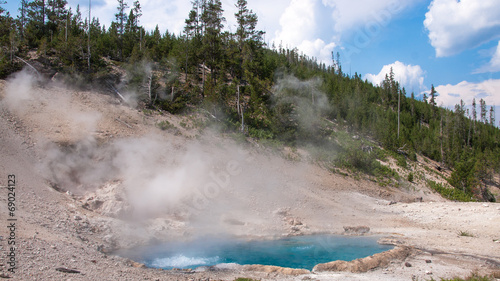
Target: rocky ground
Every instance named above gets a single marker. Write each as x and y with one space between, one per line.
94 175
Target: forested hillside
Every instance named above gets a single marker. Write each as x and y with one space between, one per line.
269 93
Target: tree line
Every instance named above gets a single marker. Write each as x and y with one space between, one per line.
238 79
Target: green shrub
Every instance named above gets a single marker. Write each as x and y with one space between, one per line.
260 133
402 162
465 234
165 125
450 193
357 159
410 177
175 106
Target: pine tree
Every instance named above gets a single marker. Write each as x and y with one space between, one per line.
492 116
247 23
132 35
137 13
474 115
121 19
22 17
56 14
193 33
483 111
247 36
193 26
7 41
213 22
433 96
35 27
194 23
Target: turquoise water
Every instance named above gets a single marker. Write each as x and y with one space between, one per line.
295 252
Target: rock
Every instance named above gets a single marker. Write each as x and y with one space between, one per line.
428 261
77 218
134 264
67 270
428 272
486 205
407 264
366 264
110 239
275 269
359 230
282 211
389 241
294 222
393 203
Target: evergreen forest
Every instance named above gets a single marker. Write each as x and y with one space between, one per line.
272 94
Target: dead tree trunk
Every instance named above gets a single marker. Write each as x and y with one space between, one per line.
117 93
149 86
242 119
32 67
238 101
88 42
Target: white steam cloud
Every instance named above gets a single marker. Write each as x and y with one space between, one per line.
307 101
206 182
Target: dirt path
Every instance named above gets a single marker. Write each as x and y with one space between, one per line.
192 182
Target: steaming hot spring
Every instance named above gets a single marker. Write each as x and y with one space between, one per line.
300 252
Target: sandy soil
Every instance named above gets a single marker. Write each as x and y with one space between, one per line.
268 196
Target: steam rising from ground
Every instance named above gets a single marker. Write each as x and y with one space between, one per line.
19 91
31 97
309 103
206 183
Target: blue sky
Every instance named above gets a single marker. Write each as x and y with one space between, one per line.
454 45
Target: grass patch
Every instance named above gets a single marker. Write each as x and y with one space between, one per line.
465 234
401 162
165 125
260 134
410 177
450 193
184 125
148 112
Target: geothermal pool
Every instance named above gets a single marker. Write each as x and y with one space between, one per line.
295 252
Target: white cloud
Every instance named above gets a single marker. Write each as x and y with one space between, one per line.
169 16
350 14
297 22
450 95
493 65
409 76
319 49
300 27
455 26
